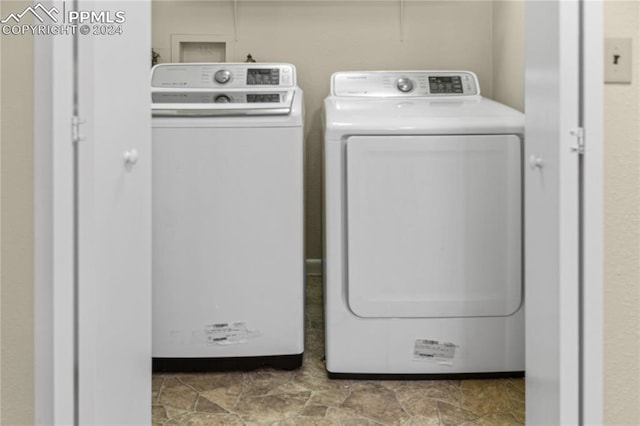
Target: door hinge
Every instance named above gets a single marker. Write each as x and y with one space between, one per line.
75 129
578 132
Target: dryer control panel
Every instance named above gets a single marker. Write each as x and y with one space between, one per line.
405 84
223 75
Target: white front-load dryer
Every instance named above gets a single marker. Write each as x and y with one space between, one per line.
423 227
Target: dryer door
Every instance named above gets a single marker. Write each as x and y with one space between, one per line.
434 225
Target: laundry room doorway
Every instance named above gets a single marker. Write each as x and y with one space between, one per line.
562 213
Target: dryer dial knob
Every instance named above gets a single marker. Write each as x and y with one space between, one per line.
222 76
222 99
404 84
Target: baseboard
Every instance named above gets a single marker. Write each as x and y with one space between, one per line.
314 267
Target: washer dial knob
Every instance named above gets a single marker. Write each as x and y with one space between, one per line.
222 99
404 84
222 76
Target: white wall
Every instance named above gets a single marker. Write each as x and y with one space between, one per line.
508 53
321 37
622 227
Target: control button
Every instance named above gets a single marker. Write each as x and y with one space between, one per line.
222 99
404 84
222 76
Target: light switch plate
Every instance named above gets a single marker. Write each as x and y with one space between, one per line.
617 60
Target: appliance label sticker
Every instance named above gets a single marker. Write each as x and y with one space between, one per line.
228 333
432 350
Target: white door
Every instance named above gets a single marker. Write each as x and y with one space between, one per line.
561 227
434 226
112 352
115 218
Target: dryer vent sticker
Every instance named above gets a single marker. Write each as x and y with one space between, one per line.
431 350
228 333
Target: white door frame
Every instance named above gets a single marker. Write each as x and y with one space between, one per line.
53 230
593 213
563 212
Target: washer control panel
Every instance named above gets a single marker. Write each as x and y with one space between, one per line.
405 84
223 75
217 97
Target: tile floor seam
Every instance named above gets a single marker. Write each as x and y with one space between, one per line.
197 391
306 403
371 419
440 422
404 410
236 400
159 391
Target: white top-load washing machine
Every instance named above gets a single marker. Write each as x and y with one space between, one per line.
423 227
228 263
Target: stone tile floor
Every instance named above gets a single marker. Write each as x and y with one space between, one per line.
307 397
